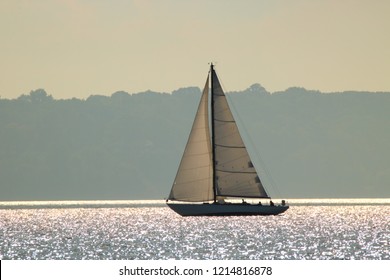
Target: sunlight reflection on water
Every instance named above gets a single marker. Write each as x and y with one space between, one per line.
150 232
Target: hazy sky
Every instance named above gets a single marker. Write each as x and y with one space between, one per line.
75 48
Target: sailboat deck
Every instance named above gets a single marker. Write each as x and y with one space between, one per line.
231 209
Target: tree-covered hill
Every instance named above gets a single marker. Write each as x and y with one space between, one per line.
128 146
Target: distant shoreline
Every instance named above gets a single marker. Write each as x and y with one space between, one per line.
161 203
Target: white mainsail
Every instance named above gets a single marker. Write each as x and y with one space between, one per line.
234 171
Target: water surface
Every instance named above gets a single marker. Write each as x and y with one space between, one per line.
310 229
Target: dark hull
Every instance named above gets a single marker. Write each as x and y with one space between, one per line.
188 209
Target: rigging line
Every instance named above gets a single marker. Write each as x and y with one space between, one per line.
225 146
264 168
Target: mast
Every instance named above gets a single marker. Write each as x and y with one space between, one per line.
212 133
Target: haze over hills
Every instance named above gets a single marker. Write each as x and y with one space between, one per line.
305 144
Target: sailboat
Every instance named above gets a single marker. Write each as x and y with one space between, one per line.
215 170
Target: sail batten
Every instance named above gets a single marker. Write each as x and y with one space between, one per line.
232 147
243 172
224 121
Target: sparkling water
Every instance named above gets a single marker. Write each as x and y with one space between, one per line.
148 230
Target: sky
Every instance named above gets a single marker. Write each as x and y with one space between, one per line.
76 48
